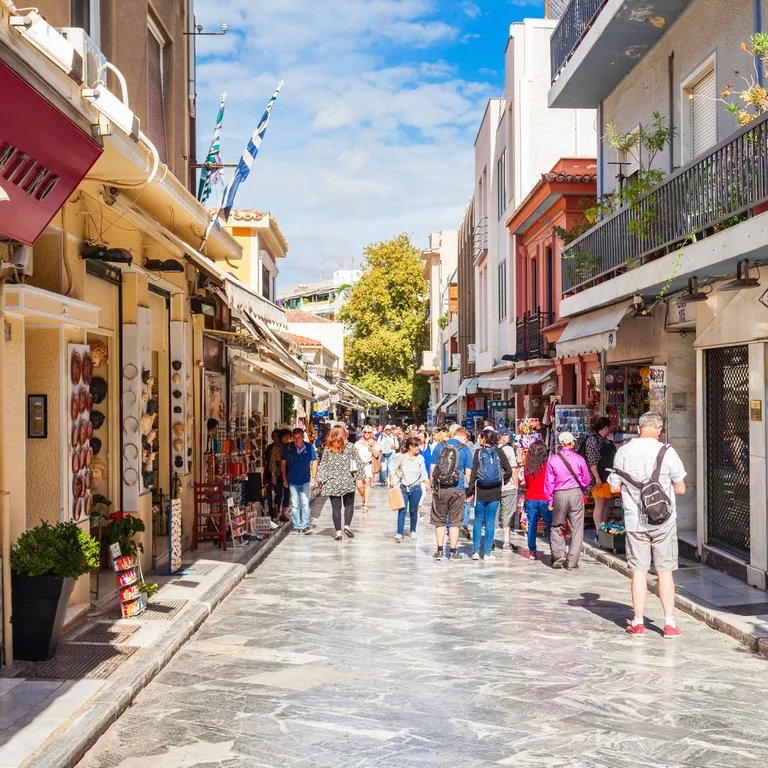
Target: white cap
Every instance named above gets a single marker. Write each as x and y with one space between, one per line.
565 438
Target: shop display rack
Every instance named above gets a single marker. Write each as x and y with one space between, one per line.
128 576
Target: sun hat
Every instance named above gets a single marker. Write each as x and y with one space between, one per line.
565 438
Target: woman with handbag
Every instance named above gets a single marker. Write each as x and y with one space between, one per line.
369 456
491 471
338 474
409 472
565 485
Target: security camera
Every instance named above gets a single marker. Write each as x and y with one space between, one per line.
224 27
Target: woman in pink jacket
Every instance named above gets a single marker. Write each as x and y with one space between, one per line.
565 486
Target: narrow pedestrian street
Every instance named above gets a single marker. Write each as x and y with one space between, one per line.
369 653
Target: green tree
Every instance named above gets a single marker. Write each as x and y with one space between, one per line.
387 316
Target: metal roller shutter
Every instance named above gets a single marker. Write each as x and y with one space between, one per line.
155 97
703 114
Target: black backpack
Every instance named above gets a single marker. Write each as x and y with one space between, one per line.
446 474
655 506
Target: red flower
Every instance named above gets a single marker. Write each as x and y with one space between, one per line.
116 516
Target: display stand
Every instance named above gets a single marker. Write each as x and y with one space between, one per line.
174 536
576 419
128 575
528 432
236 524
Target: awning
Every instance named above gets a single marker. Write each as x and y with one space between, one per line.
446 403
364 395
284 379
492 381
440 403
532 377
468 387
593 332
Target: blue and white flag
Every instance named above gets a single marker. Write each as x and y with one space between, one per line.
209 176
249 155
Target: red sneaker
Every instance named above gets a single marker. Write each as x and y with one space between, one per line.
638 630
672 632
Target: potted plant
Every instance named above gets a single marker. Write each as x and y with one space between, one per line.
45 561
121 528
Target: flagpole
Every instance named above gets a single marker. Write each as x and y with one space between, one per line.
243 167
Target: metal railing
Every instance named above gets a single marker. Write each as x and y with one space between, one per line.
712 192
575 22
480 237
531 343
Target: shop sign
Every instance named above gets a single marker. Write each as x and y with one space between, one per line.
472 415
43 157
501 403
657 400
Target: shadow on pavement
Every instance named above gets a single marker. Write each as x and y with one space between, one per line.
610 610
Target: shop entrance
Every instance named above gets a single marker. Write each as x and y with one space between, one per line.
728 508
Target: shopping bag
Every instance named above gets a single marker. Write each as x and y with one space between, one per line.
376 466
396 500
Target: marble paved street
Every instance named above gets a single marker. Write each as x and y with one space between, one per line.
369 653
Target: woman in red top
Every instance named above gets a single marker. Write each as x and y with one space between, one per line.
535 499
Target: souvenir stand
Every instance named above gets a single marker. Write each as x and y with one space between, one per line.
528 432
576 419
128 577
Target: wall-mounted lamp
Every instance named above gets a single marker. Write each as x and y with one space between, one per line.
200 306
110 255
158 265
199 31
743 280
693 293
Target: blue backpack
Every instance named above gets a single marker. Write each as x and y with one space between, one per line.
488 468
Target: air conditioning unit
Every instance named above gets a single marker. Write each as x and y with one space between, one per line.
94 61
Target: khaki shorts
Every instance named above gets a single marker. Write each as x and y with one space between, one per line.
507 508
447 504
659 544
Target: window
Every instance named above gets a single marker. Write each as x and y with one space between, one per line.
156 91
629 163
502 290
266 283
534 286
85 15
501 184
702 113
550 281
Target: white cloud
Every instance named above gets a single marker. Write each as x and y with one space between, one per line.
372 134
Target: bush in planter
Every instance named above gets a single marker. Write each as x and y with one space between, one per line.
45 561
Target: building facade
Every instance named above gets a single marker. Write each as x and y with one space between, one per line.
324 298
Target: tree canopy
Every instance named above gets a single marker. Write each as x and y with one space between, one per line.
387 315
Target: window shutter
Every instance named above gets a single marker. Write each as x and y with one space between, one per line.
703 101
155 96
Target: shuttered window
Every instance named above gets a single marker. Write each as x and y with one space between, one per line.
156 94
703 114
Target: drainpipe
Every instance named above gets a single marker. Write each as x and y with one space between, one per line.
758 11
671 73
5 514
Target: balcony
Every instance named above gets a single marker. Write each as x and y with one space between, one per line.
687 213
598 43
531 344
480 238
429 366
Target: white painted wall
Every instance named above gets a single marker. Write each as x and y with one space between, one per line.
330 335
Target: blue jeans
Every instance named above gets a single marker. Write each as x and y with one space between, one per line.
412 497
384 474
534 510
485 514
300 506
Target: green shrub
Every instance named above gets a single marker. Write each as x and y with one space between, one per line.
63 550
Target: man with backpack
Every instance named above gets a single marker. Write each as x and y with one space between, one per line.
649 474
451 468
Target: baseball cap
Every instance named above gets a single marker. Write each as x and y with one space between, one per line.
566 437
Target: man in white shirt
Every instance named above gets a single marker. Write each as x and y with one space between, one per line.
387 445
637 459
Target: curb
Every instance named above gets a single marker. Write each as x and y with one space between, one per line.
686 603
67 746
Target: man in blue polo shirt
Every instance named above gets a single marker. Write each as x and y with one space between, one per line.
299 467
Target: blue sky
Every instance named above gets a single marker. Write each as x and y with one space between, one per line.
373 132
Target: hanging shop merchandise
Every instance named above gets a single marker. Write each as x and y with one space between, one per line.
81 430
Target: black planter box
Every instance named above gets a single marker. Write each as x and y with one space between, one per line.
39 609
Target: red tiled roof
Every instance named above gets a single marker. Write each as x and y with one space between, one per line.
300 316
302 341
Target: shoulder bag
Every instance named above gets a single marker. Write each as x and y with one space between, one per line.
573 475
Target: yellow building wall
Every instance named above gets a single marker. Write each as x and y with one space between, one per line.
13 430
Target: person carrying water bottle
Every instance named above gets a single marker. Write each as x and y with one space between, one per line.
491 470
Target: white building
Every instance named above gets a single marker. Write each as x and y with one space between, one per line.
328 333
322 297
519 139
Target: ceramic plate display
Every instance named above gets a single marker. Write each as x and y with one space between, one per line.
75 367
81 428
87 369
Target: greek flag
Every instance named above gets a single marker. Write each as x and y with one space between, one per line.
249 155
209 176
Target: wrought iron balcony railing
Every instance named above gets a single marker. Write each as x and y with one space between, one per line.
574 24
531 343
712 192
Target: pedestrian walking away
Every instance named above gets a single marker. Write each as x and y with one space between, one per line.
566 483
298 467
599 455
388 445
536 504
339 473
272 457
508 503
368 451
410 473
491 470
649 475
451 470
